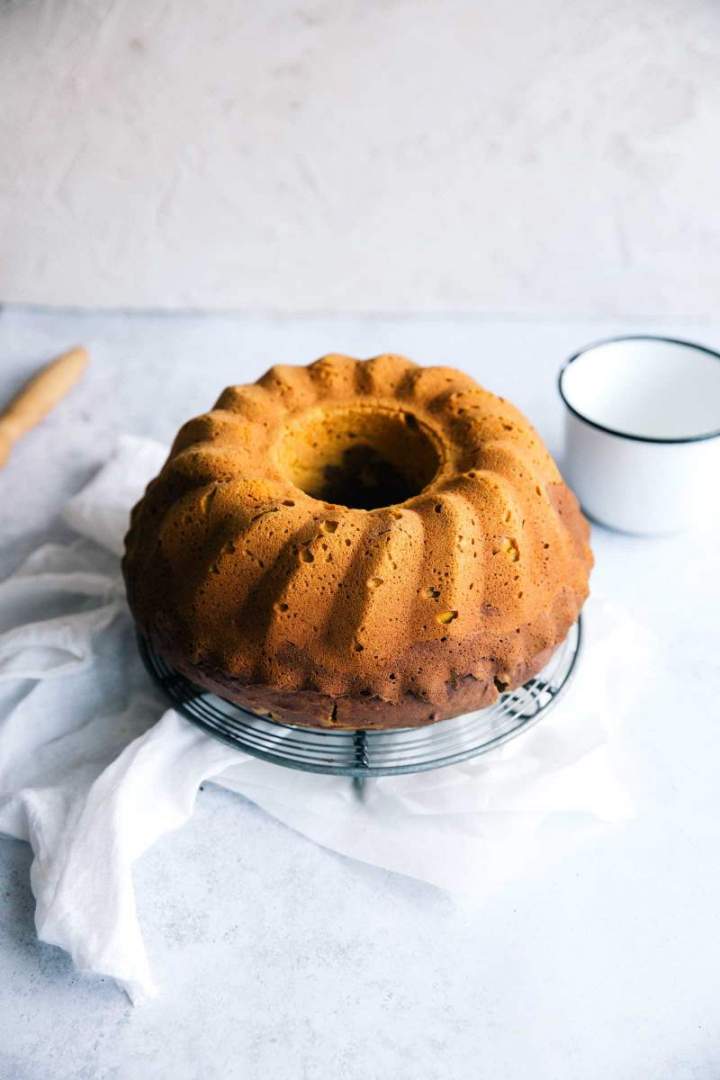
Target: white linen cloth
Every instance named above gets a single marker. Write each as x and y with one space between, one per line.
94 768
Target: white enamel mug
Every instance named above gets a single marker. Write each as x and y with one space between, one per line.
642 432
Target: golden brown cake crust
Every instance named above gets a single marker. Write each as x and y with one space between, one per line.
457 570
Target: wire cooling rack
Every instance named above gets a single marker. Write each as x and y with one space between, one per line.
364 754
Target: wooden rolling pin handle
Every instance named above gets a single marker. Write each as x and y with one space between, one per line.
39 396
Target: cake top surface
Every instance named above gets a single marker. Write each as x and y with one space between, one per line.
358 527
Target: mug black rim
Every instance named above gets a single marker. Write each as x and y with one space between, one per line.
626 434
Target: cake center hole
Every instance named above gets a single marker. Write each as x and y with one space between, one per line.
359 457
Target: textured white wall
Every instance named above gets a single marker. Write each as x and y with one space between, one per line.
525 157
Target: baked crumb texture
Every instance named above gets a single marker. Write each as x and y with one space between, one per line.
358 544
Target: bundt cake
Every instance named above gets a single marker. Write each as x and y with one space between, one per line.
358 544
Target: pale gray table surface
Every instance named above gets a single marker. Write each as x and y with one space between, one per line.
280 960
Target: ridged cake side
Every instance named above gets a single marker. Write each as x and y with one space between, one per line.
255 588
